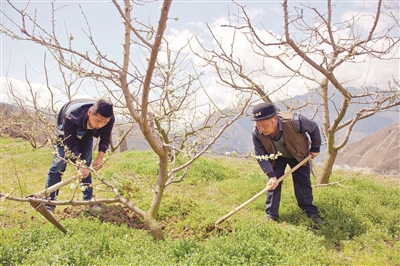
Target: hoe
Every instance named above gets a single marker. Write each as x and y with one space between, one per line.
262 192
41 208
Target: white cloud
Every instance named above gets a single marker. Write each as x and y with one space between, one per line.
25 92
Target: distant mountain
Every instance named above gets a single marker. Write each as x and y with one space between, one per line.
379 152
238 136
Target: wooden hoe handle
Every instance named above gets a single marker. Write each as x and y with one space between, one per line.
57 186
262 192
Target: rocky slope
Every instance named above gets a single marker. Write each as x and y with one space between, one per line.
379 152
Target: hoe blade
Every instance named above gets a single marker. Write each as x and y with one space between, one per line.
40 207
48 215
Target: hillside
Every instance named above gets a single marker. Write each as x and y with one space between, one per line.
362 217
379 152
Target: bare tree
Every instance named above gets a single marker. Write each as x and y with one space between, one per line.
27 119
163 94
17 124
35 109
313 50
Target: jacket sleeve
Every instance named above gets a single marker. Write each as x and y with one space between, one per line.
258 151
70 138
105 137
311 128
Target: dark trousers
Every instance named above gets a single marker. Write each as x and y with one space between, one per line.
302 189
58 168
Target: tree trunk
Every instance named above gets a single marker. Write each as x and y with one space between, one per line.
154 227
327 167
314 170
151 215
124 144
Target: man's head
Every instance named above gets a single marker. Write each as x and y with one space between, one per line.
263 111
265 116
100 113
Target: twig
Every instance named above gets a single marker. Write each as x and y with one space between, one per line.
334 183
16 174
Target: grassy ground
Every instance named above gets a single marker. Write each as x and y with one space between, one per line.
362 217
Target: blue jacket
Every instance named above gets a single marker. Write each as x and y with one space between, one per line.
72 126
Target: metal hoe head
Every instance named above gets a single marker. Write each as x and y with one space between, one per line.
41 208
46 214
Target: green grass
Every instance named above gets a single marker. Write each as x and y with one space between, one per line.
362 219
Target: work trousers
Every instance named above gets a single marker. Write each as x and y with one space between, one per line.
58 167
302 188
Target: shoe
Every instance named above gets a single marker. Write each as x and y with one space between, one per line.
317 220
95 207
272 219
50 208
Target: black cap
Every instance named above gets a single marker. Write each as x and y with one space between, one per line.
263 111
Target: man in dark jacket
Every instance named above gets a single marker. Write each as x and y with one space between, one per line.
287 135
78 122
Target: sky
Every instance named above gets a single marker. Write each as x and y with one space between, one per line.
21 59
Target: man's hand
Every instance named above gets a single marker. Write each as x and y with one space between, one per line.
314 154
85 172
273 182
98 162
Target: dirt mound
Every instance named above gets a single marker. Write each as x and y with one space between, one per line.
115 214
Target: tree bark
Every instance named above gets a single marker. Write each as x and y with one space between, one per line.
327 167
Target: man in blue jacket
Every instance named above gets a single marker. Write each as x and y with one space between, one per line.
78 122
293 137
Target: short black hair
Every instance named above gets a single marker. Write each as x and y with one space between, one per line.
103 107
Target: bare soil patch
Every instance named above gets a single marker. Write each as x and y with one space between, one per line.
115 214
